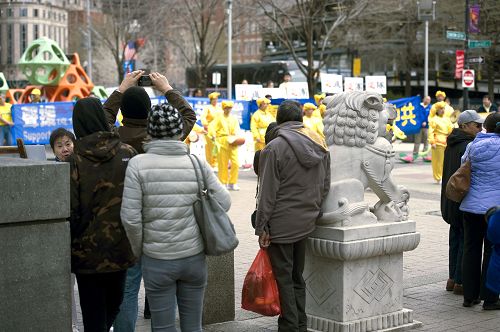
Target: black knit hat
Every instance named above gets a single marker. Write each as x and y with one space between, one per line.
135 103
164 121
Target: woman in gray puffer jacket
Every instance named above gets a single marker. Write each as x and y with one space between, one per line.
158 217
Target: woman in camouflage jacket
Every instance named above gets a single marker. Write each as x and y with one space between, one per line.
100 250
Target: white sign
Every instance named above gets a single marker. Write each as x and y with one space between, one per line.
468 78
331 83
276 93
216 78
376 84
353 84
295 90
247 91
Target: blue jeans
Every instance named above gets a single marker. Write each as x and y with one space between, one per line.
183 280
127 317
5 135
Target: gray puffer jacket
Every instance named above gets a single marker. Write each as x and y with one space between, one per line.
157 207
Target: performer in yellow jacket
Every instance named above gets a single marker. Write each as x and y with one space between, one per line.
320 111
225 129
313 122
210 112
440 97
440 127
260 121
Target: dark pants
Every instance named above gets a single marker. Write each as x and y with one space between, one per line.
474 277
100 297
288 264
456 242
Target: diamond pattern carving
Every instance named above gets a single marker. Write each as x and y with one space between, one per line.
373 286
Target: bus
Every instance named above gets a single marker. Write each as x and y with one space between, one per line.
253 73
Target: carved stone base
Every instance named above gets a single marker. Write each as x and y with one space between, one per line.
397 321
354 277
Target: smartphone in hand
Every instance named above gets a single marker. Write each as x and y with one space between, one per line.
145 80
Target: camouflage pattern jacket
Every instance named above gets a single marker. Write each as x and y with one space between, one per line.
99 243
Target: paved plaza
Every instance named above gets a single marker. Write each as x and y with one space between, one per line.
425 269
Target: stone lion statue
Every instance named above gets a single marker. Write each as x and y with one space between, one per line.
361 157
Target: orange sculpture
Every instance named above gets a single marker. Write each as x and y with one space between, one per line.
74 85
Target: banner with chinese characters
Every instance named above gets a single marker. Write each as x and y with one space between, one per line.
35 122
376 84
459 66
331 83
410 114
353 84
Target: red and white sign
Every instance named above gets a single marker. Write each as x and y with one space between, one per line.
460 59
468 78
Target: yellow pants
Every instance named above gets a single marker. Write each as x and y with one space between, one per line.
223 157
209 155
259 146
437 162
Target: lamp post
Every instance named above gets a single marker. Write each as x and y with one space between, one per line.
89 36
229 49
426 12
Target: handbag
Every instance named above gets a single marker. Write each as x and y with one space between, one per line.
216 228
459 183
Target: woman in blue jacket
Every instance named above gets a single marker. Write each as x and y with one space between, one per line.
484 193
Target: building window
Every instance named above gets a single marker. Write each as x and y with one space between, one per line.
35 31
43 13
10 12
23 12
10 42
24 37
35 12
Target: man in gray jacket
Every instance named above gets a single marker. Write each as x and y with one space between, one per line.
294 171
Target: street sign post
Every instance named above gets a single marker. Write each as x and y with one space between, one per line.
478 59
479 43
455 35
468 78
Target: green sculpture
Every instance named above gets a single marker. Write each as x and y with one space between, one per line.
43 62
3 83
100 92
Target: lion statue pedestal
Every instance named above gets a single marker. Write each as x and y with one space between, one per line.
354 265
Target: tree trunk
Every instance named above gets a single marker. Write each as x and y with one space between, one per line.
490 63
408 82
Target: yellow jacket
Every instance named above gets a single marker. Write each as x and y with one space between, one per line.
439 129
319 112
222 127
315 124
448 110
209 114
5 113
258 124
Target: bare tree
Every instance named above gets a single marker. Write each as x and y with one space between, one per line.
197 31
125 20
490 27
310 23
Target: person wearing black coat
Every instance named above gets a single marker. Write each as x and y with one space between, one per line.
470 123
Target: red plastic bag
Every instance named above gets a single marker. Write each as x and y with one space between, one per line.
260 291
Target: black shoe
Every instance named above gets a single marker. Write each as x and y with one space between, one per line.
491 306
147 313
469 303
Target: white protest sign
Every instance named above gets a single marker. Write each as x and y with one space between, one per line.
247 91
353 84
296 90
276 93
331 83
376 84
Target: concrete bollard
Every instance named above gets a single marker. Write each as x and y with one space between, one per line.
35 246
